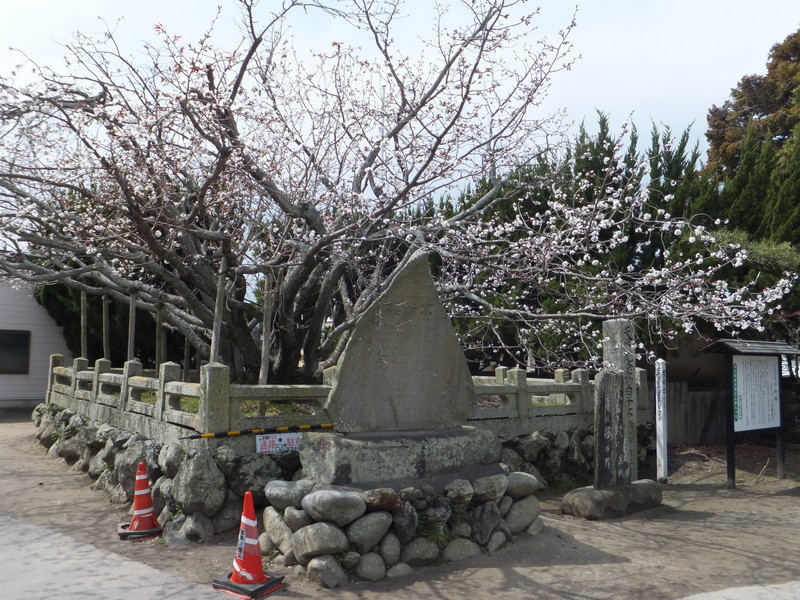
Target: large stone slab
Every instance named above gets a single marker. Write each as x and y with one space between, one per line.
610 503
375 457
619 354
403 368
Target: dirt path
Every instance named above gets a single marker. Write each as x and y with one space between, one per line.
703 538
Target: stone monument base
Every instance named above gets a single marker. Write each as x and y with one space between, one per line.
373 458
610 503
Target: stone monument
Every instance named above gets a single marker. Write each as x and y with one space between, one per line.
401 394
615 492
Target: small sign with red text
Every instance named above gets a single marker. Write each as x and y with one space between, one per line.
275 443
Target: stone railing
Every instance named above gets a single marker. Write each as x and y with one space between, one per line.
162 406
512 404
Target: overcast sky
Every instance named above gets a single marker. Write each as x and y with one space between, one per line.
662 61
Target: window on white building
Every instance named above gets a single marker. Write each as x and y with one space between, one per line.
15 352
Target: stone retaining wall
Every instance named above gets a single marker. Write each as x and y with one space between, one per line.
331 532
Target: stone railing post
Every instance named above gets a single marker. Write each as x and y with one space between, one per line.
131 368
586 401
101 365
500 374
79 364
56 360
168 371
215 398
519 379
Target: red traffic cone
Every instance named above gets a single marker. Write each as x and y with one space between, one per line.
248 579
143 525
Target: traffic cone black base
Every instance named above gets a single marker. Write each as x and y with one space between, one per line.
125 533
273 583
143 525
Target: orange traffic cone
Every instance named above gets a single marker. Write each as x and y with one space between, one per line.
248 579
143 525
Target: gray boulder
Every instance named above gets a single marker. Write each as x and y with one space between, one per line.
103 460
285 560
69 450
318 539
197 528
229 517
389 548
489 489
484 519
404 522
574 458
349 559
522 514
105 481
265 544
170 458
530 446
459 491
334 506
522 484
461 529
199 485
459 549
561 440
252 473
127 462
536 527
277 530
365 532
225 458
47 433
371 567
326 571
399 570
505 505
172 535
161 493
87 438
587 447
296 518
283 494
420 552
496 541
382 499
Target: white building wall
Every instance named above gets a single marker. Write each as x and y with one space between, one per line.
20 311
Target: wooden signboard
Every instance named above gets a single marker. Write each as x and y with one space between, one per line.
753 370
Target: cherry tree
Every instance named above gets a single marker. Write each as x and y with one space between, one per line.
202 181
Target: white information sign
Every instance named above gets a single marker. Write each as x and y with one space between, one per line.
756 392
661 421
275 443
